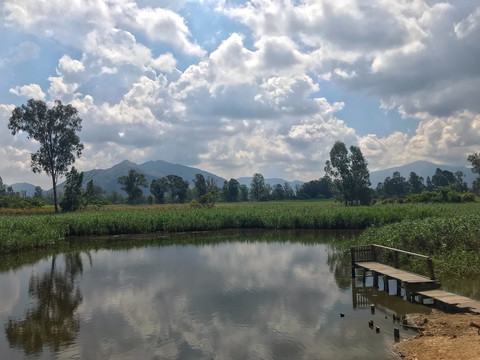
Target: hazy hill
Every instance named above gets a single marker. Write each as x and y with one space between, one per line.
421 168
19 187
270 181
107 179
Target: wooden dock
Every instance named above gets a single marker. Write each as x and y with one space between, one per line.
385 262
447 300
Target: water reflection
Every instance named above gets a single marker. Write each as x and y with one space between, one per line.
275 295
338 262
52 321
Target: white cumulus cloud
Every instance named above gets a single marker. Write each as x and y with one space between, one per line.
31 91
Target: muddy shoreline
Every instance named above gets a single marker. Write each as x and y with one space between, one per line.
444 336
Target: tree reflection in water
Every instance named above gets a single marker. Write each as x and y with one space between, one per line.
52 322
338 263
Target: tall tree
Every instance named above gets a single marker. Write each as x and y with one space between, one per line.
415 183
131 184
349 173
316 189
257 187
200 184
380 190
461 184
338 168
289 193
158 188
395 185
211 184
10 191
3 188
55 130
361 176
94 194
428 184
71 199
278 192
38 193
177 188
233 190
474 159
225 191
443 178
243 192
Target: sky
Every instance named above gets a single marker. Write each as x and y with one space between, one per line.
238 87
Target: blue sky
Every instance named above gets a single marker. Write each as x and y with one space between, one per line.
238 87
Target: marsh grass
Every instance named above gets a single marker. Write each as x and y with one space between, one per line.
450 233
452 240
30 231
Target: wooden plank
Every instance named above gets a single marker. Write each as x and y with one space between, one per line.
394 273
461 302
469 303
433 293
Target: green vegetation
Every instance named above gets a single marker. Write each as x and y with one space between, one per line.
17 202
451 238
447 232
26 231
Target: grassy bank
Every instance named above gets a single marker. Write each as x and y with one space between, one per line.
453 242
447 232
30 231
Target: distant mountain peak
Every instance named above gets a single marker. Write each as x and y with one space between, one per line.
125 163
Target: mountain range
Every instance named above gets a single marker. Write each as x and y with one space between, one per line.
270 181
421 168
107 179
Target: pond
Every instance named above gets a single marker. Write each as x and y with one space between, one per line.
222 295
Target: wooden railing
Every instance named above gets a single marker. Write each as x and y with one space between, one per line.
379 253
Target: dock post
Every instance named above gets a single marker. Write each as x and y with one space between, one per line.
352 257
375 279
373 252
399 288
430 269
396 334
385 284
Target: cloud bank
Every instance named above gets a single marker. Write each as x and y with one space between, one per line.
146 87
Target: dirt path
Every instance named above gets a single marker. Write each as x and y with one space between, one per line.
445 336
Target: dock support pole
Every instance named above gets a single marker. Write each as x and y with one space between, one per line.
399 288
385 284
430 269
396 334
352 257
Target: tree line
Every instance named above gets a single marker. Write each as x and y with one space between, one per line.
346 179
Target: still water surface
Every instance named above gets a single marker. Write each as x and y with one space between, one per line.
228 295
